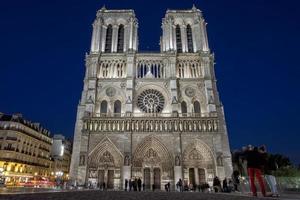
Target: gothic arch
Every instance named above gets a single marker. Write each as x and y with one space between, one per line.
199 154
161 155
105 149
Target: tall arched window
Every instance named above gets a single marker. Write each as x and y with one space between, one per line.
183 108
120 47
108 40
197 107
103 107
178 39
189 38
117 107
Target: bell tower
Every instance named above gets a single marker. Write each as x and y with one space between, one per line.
184 31
114 31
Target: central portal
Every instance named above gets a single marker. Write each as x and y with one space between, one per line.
152 178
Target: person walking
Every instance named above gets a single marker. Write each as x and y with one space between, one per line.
139 183
126 184
217 184
180 185
225 185
130 184
270 179
254 163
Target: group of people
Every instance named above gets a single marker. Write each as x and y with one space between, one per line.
134 185
255 159
184 186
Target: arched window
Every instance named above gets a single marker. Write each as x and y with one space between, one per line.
197 107
103 107
108 39
117 107
189 38
120 47
178 39
183 108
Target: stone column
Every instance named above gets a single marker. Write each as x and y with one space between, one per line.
177 174
104 29
114 38
126 171
183 38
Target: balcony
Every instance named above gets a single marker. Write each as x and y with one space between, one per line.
151 122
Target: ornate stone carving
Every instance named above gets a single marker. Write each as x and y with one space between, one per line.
177 161
110 91
190 92
151 101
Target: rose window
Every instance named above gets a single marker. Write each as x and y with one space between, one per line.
151 101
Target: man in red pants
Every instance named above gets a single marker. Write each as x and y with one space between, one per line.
255 161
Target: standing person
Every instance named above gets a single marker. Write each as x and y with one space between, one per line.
135 184
270 179
217 184
126 184
180 185
254 163
143 186
139 183
236 180
168 186
225 185
130 184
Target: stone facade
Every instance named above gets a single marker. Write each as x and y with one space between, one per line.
156 116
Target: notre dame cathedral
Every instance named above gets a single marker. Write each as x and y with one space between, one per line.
154 116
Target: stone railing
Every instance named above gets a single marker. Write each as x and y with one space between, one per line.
150 124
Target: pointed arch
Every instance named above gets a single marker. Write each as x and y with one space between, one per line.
196 105
189 38
183 107
117 107
155 146
199 154
120 47
103 107
108 40
105 153
178 39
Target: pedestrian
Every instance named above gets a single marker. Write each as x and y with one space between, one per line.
270 179
225 185
135 184
236 180
254 162
168 186
180 185
143 186
139 183
217 184
130 184
103 186
126 184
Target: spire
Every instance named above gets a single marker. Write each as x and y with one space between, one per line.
194 7
103 8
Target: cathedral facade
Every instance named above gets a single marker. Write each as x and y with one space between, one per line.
154 116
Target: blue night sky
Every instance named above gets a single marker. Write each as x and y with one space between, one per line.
256 44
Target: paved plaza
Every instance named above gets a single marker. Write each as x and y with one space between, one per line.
42 194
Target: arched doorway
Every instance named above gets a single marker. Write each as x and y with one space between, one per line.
153 163
104 165
198 163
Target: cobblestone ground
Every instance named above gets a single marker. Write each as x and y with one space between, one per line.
119 195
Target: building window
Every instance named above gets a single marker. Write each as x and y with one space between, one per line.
120 46
103 107
117 107
178 39
189 38
108 40
183 108
196 107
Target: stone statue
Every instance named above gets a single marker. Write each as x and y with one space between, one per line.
126 161
177 161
